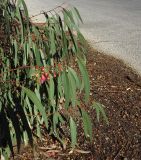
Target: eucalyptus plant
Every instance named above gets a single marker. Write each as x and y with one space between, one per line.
38 81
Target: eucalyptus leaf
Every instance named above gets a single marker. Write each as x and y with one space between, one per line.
73 130
32 96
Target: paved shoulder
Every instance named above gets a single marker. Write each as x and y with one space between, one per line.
112 26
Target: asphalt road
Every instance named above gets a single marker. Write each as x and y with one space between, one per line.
112 26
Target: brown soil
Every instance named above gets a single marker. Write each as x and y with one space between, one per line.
118 88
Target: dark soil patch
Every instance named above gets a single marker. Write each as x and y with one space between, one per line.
118 88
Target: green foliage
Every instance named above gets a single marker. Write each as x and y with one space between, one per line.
37 80
87 124
73 132
100 111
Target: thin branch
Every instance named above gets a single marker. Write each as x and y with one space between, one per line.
12 70
50 11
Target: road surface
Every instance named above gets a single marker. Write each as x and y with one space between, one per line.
112 26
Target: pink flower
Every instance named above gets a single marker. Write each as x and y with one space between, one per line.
43 79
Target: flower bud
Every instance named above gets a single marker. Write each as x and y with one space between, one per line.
54 74
42 68
43 79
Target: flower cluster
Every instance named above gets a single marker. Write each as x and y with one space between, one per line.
43 74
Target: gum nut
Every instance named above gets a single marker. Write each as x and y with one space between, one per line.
37 75
36 67
42 80
43 77
42 68
46 74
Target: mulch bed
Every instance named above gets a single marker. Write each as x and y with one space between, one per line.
118 88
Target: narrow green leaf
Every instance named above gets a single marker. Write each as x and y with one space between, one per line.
24 8
66 86
25 138
52 42
37 55
60 87
55 121
39 134
77 80
19 15
72 88
100 110
78 14
85 78
38 93
30 109
73 40
51 90
87 124
73 130
37 103
36 32
82 40
43 57
69 18
60 117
